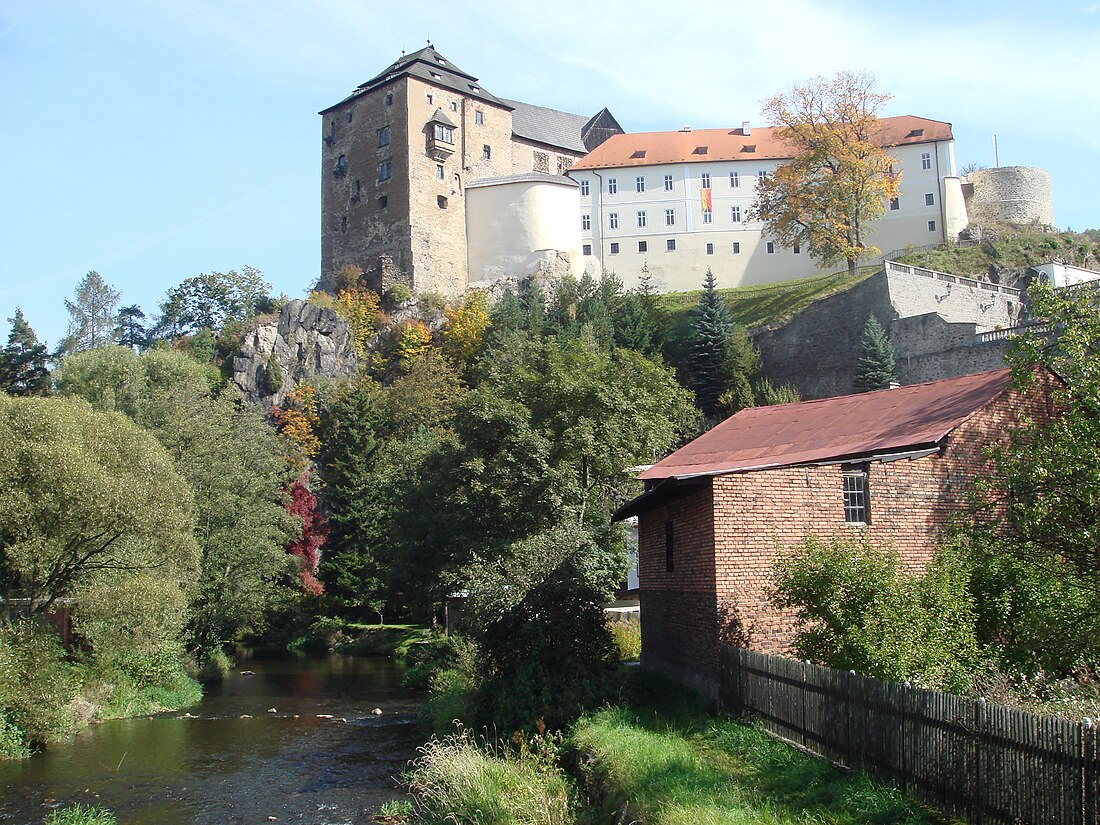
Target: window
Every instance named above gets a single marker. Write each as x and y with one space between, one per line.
929 199
668 183
762 175
479 118
349 116
441 201
925 160
358 191
439 171
708 217
344 224
736 248
704 180
614 248
735 180
856 510
444 133
612 186
796 249
454 106
486 152
389 98
641 219
670 245
639 184
670 559
586 249
584 187
895 204
931 226
771 247
429 98
586 223
383 137
383 202
385 170
735 214
643 246
542 162
670 217
612 220
342 165
710 249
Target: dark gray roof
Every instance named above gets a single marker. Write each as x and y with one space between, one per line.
548 126
524 177
439 117
431 67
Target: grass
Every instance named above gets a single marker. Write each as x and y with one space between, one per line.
79 815
666 761
1014 250
756 306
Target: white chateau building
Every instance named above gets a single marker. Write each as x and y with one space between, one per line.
677 203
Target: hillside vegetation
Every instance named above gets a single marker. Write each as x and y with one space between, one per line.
1010 255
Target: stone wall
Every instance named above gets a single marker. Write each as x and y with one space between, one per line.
728 535
935 327
307 341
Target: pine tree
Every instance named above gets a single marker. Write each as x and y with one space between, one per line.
638 326
710 350
875 369
131 332
23 361
91 315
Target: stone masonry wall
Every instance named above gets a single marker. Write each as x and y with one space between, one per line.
1011 194
760 514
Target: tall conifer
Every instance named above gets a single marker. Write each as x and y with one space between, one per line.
875 368
23 361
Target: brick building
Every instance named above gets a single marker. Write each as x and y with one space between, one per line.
400 153
892 467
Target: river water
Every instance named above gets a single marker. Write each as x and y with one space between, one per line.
290 766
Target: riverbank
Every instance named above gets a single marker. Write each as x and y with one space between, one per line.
658 756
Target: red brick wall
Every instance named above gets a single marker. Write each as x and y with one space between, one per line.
729 553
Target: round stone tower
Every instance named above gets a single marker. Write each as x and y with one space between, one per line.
1010 194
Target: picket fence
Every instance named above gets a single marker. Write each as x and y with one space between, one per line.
972 759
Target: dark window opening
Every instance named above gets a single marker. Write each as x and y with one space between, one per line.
441 200
383 202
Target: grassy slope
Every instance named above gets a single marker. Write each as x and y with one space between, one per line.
671 763
1013 251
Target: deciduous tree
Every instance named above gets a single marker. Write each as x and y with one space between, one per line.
211 300
839 179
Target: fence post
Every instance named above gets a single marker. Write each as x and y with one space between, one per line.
905 766
1089 780
980 731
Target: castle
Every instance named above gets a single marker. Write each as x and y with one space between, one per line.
431 181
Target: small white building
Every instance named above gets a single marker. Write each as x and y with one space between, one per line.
677 202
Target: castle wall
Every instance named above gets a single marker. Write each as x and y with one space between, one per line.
1011 194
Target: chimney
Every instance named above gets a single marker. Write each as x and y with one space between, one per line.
745 128
687 127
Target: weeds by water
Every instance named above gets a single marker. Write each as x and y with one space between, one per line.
79 815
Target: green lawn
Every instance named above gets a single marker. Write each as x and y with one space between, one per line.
671 763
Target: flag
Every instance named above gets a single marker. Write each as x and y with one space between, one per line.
704 197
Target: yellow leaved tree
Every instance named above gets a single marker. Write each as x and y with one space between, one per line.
464 331
840 177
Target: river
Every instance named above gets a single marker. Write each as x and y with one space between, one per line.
290 765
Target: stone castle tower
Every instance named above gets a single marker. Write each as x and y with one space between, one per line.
399 153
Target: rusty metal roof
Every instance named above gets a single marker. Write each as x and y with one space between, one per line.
834 429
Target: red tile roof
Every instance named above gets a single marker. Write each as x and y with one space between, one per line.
651 148
833 429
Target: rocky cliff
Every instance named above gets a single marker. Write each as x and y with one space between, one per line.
307 341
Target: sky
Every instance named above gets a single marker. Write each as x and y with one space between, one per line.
152 140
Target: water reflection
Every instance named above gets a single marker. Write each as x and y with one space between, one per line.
222 768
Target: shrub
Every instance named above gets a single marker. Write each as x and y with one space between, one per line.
398 294
455 781
36 687
628 638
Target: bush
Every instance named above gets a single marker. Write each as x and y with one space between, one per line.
398 294
455 781
79 815
628 638
37 687
857 610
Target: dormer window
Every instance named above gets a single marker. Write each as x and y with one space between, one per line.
436 75
699 150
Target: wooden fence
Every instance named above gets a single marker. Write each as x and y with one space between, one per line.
972 759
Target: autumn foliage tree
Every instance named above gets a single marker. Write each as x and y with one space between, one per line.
839 179
464 332
307 547
297 424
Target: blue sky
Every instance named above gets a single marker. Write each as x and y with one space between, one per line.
152 140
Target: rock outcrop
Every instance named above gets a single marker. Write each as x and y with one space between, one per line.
307 341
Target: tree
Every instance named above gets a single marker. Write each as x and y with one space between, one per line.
131 332
307 547
23 361
91 315
83 493
840 178
211 300
875 368
723 359
464 332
